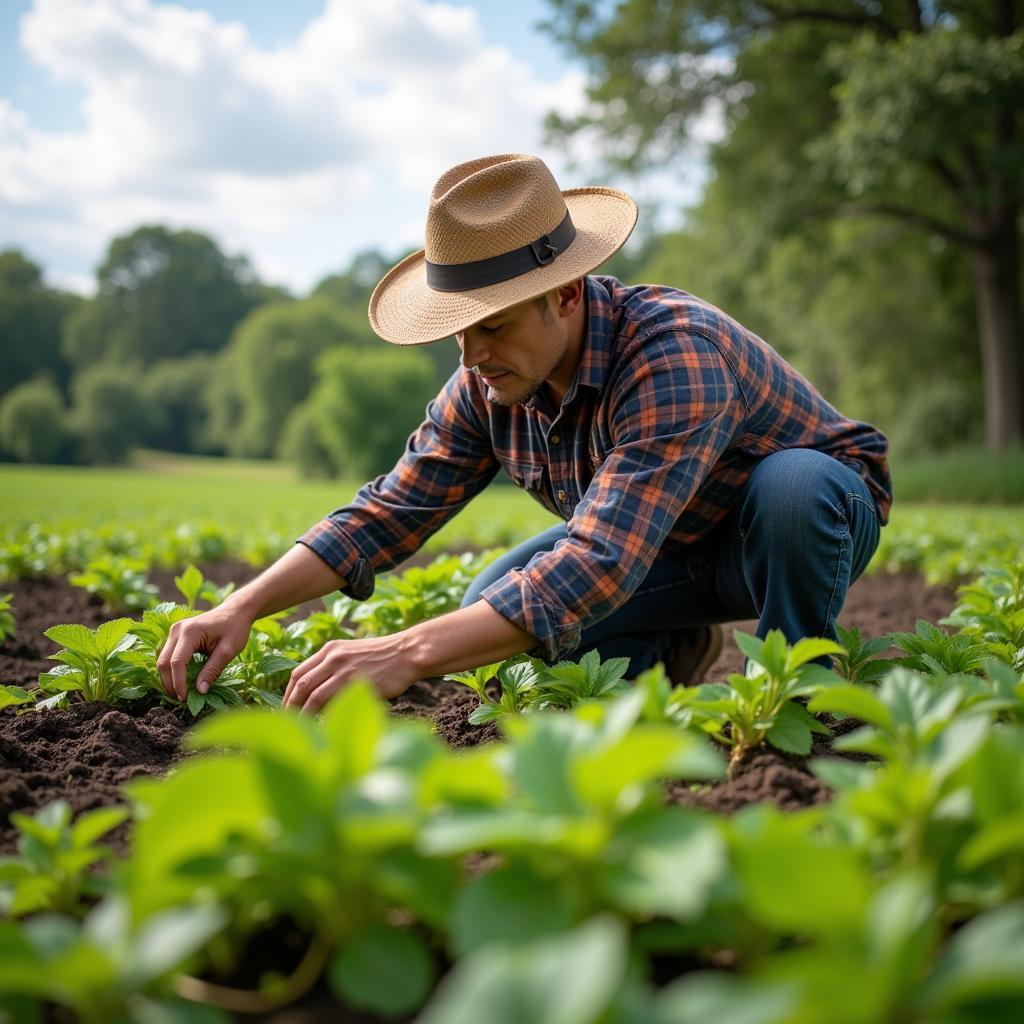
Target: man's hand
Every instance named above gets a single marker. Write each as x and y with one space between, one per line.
386 661
221 633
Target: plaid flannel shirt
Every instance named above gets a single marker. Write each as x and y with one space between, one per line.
672 406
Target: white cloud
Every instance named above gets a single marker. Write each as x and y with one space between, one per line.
298 156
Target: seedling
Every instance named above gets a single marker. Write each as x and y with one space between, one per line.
929 649
121 582
50 873
859 662
568 683
519 693
760 705
93 663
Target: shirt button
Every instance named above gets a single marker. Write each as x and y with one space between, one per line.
555 439
562 495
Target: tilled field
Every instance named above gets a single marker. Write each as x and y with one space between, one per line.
86 752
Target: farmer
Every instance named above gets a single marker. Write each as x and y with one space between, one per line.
699 477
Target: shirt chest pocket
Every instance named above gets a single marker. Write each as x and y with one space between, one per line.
530 477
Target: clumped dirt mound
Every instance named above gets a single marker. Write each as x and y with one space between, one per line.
83 753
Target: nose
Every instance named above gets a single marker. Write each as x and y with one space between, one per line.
474 348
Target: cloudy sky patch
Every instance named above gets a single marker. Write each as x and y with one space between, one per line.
296 144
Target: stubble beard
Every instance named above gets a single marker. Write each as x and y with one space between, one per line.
521 397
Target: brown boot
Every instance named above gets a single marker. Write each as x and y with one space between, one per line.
693 650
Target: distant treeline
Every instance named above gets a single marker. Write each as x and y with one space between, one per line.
183 349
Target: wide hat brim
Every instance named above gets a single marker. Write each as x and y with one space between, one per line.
405 310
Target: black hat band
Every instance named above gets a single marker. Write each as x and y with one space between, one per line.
463 277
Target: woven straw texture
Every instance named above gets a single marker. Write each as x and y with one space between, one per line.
470 219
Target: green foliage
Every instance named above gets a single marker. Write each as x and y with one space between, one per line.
930 649
904 101
992 610
30 323
110 414
120 581
367 403
760 705
175 391
270 364
162 294
7 626
92 663
859 662
110 966
403 599
33 423
50 871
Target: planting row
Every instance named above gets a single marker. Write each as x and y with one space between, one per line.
945 545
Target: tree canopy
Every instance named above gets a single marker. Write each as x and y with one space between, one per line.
906 110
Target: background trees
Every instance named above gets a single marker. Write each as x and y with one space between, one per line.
905 111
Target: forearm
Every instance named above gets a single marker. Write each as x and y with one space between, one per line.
465 639
298 575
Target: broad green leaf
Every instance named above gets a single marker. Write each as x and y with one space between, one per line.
793 882
353 724
810 648
288 735
996 839
386 970
567 979
166 939
509 905
857 701
703 997
14 695
542 762
791 731
196 702
664 863
190 583
984 959
111 635
75 638
93 824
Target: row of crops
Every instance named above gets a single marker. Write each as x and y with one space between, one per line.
901 901
945 545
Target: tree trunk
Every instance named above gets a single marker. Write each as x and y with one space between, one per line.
1001 330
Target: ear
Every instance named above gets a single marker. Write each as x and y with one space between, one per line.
569 297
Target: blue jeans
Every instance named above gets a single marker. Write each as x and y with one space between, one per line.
804 529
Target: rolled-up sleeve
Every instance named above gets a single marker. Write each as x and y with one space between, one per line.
447 461
675 408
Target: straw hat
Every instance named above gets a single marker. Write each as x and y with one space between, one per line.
499 232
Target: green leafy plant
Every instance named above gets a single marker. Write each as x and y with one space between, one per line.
49 873
7 627
859 662
92 664
517 678
992 609
404 599
329 624
930 649
193 586
109 967
121 582
568 683
761 705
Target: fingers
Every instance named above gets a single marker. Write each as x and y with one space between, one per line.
215 664
301 670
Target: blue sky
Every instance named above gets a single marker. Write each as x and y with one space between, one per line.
294 132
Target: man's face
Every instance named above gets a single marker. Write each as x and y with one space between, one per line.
515 351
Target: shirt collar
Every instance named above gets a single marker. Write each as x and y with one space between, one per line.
597 342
